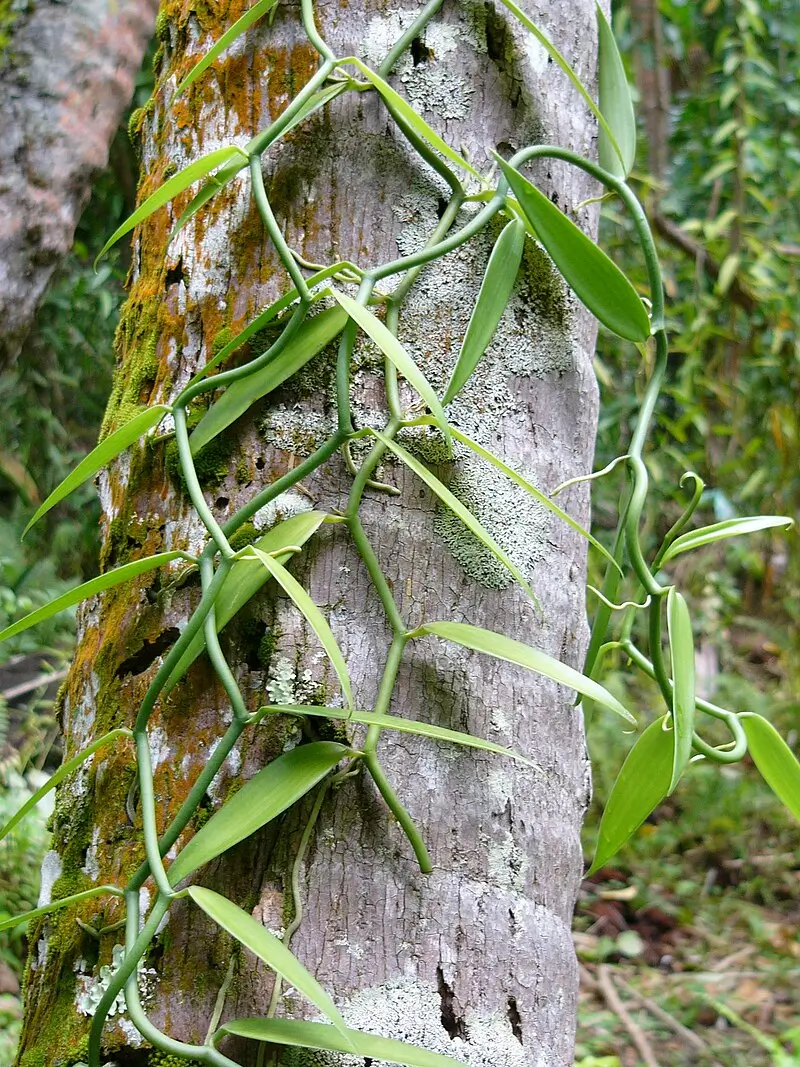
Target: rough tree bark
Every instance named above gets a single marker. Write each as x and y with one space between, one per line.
67 72
475 959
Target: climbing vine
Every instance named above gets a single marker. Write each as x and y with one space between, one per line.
341 300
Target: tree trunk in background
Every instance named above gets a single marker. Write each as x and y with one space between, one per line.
475 959
67 73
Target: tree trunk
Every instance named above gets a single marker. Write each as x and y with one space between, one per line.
67 73
476 958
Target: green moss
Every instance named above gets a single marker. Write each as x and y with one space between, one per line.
266 648
220 339
212 463
243 474
162 25
168 1059
170 169
245 535
8 16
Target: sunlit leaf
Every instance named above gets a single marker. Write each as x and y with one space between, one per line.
257 11
640 787
706 535
394 722
312 615
618 155
250 933
300 1034
96 585
57 905
394 351
506 648
246 578
172 187
309 340
775 760
267 794
100 456
496 289
209 189
414 120
455 505
595 279
681 643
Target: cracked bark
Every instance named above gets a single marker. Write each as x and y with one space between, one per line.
475 959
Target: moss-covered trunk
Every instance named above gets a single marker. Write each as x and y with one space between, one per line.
475 958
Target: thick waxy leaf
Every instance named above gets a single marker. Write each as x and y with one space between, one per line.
394 722
455 505
107 450
394 351
681 643
267 794
226 40
559 59
63 771
640 787
250 933
309 340
57 905
496 289
616 155
414 120
506 648
247 576
301 1034
172 187
96 585
595 279
775 760
312 615
706 535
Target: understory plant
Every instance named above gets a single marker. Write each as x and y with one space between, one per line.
341 300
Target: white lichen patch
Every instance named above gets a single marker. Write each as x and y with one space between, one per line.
91 989
91 867
280 687
158 742
409 1010
51 872
438 90
508 864
283 507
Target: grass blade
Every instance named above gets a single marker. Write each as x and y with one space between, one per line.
681 643
496 289
775 760
707 535
594 278
314 617
506 648
95 585
171 188
267 794
257 11
616 153
107 450
250 933
394 351
309 340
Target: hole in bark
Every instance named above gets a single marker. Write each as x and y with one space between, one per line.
514 1018
420 52
260 463
221 502
250 645
452 1023
148 653
175 274
441 207
496 36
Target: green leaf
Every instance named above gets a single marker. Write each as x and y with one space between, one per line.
775 760
707 535
486 454
727 273
107 450
172 187
226 40
301 1034
394 351
506 648
267 794
618 154
640 787
314 617
417 123
250 933
496 289
559 59
455 505
96 585
393 722
595 279
310 339
681 643
57 905
63 771
246 578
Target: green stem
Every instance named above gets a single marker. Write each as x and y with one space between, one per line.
193 485
312 33
406 38
274 230
265 138
399 812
